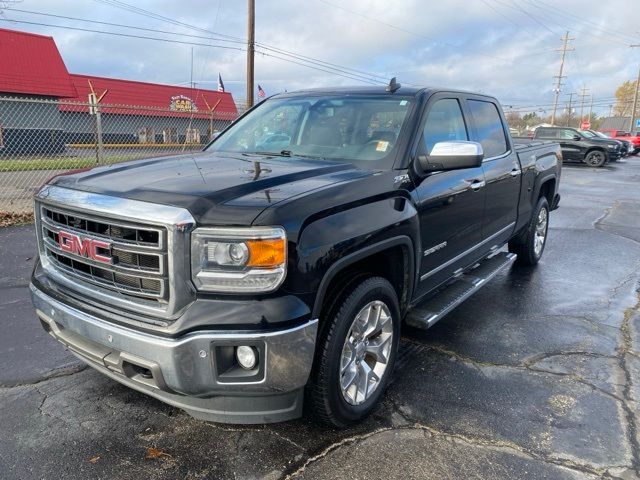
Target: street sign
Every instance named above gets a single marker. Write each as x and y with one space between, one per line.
638 123
585 125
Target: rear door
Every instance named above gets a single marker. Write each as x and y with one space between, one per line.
450 203
502 172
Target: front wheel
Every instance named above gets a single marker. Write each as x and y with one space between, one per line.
596 159
530 245
355 353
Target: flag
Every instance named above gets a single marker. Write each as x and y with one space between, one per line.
261 93
220 84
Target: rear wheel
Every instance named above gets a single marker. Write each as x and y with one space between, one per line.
530 245
596 158
355 354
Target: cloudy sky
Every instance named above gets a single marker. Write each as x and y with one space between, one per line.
502 47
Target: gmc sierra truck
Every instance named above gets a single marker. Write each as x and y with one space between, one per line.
278 264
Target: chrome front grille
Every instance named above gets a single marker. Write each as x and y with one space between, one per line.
146 275
138 253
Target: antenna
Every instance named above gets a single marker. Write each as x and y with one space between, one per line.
393 85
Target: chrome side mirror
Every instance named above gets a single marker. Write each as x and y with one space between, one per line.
453 155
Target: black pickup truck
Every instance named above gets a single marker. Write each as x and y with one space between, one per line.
581 145
279 263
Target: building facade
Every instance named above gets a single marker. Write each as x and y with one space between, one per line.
45 110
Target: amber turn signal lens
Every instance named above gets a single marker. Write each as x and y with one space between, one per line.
266 253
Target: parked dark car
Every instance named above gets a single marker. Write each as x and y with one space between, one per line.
578 146
234 282
625 147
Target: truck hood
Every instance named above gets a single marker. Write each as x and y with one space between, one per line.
217 188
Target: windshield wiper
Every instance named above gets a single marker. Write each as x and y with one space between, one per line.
284 153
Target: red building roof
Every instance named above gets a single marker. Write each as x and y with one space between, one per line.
31 64
171 99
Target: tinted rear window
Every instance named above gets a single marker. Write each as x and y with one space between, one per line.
546 133
489 126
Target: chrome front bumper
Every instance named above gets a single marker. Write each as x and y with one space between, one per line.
183 371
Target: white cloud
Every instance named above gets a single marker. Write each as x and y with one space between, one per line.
502 47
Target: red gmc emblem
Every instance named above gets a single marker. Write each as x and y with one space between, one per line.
85 247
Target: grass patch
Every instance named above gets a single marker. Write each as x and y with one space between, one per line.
53 163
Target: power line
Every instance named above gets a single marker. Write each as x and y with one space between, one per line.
118 34
147 13
332 70
532 17
584 21
553 18
134 27
401 29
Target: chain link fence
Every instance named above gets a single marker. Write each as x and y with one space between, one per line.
42 138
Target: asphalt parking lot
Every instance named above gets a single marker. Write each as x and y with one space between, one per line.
536 376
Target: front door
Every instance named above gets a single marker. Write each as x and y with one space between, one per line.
450 203
571 148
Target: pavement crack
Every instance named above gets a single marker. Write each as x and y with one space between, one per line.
45 397
265 428
625 349
59 373
334 446
476 442
487 443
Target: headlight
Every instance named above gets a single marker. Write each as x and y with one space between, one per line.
238 260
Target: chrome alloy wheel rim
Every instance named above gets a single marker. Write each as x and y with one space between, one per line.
365 354
541 232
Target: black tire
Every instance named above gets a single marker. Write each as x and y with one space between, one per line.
324 394
525 244
596 158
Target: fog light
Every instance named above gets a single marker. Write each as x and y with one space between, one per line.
246 357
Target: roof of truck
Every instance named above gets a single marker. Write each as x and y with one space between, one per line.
376 90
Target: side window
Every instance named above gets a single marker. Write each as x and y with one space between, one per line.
444 123
542 132
567 134
489 126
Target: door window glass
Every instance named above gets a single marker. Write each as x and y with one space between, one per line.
444 123
546 133
567 134
489 126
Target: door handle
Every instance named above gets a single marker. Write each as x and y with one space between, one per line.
515 172
477 185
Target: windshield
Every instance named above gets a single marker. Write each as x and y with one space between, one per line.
586 133
343 127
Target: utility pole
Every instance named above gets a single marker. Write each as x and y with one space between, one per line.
251 32
590 110
635 99
570 113
559 77
191 77
583 94
611 110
